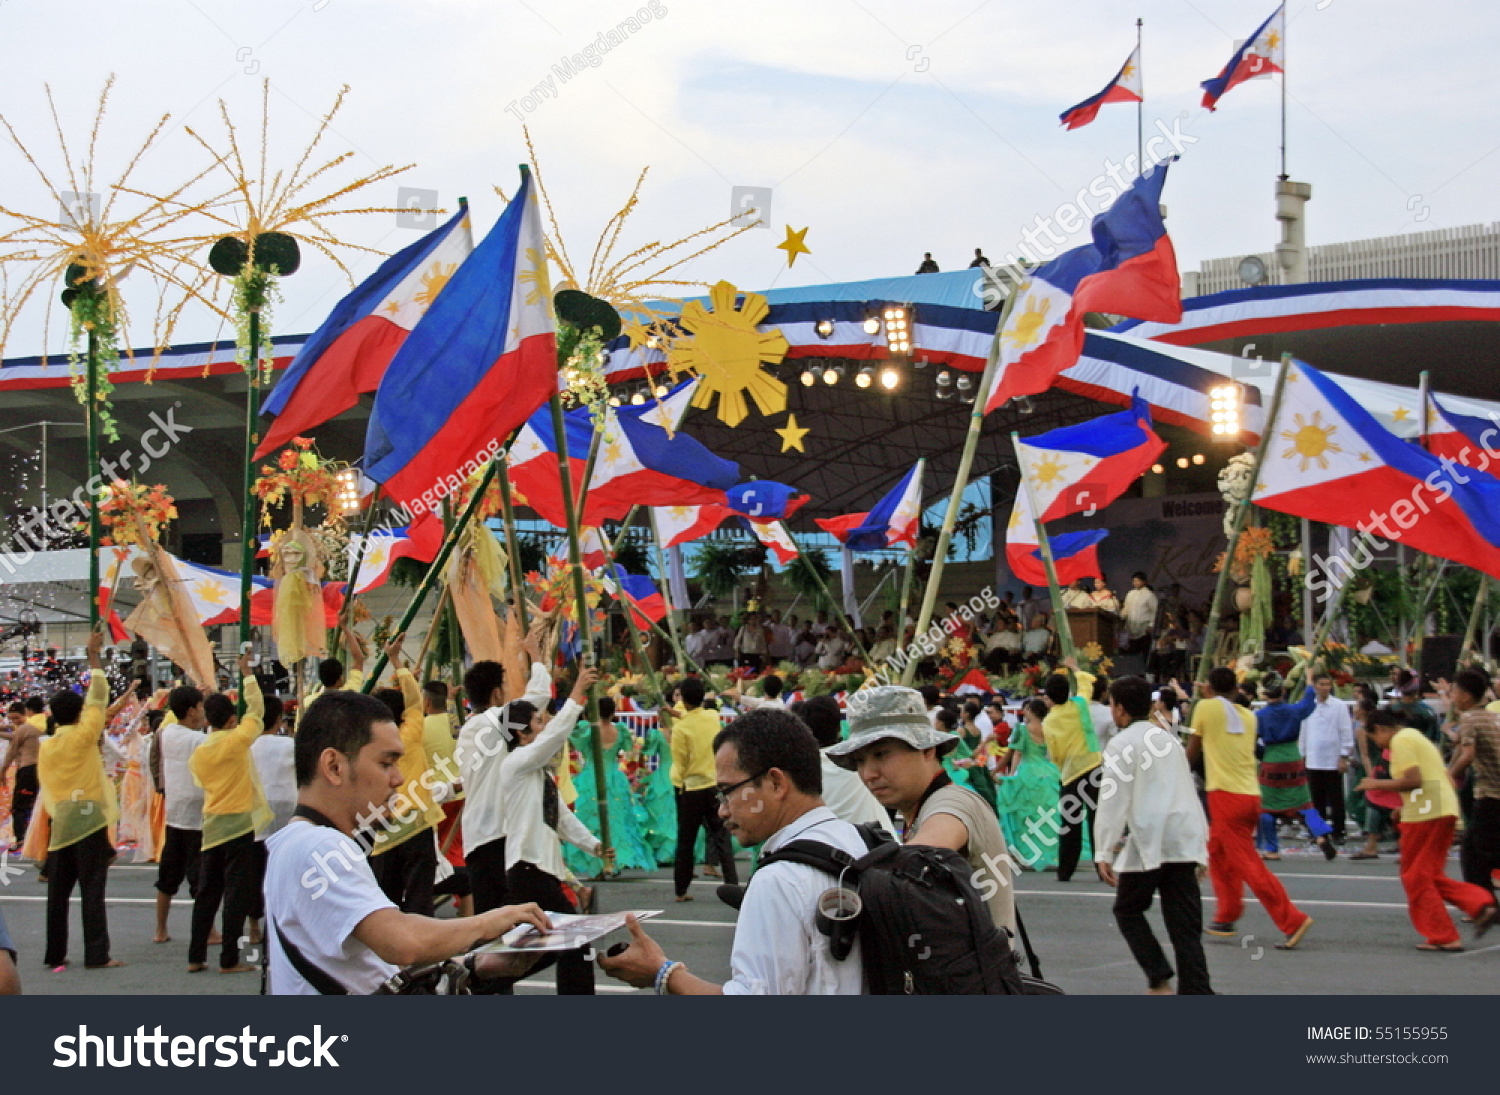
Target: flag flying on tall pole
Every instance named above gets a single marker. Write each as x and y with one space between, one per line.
1128 269
1083 468
677 525
1074 554
1465 438
1329 460
895 519
1261 55
478 364
774 536
1124 88
349 353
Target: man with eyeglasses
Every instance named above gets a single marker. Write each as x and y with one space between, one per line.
769 787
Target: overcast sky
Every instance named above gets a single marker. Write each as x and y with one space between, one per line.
886 129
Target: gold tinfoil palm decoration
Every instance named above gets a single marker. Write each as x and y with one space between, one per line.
725 347
100 231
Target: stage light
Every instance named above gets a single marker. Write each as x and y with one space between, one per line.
824 327
965 382
866 376
809 376
890 378
1157 468
1198 458
898 322
832 373
872 325
639 397
1182 461
944 378
662 391
1224 411
615 401
347 496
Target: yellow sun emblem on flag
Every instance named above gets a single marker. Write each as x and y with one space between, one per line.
211 592
1311 441
1015 518
433 281
1049 471
1026 330
534 274
725 349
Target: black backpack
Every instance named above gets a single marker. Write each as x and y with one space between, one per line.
923 930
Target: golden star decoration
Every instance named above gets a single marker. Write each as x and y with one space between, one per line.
793 245
725 347
792 435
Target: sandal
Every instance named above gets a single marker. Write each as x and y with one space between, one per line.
1433 948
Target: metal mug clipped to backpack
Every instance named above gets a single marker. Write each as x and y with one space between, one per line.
836 916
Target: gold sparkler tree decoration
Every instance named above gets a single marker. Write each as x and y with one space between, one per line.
266 214
633 283
99 233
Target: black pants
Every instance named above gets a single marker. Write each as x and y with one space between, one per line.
23 800
526 882
487 875
1079 799
226 873
700 809
178 861
1326 786
1480 853
257 910
85 863
407 873
1181 908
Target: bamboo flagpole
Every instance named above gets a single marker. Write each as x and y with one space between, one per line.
513 547
838 606
1241 513
960 482
1059 612
911 561
666 589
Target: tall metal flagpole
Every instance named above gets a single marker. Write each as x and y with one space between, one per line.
1049 564
911 563
252 441
91 418
960 481
1241 512
1284 175
1140 106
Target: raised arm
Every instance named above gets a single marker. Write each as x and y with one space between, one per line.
540 751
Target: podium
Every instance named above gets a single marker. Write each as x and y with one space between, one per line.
1090 625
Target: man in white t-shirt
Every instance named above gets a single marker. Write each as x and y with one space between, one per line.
174 745
329 925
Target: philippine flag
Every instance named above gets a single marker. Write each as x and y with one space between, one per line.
349 353
683 524
1083 468
1124 88
421 541
1465 439
1329 460
644 601
896 518
1075 555
1129 269
215 594
477 365
111 564
1261 55
774 536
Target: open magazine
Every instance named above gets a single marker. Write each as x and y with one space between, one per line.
569 931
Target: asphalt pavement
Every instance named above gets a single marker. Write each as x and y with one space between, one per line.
1361 941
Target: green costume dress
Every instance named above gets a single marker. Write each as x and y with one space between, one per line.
974 777
1031 793
624 826
656 801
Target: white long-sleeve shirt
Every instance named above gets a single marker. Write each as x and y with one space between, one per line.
483 743
523 772
183 796
1327 735
778 950
1147 803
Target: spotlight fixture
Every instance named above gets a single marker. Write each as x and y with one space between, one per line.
615 401
866 376
824 327
965 382
945 393
898 329
1024 404
832 374
1198 458
1157 469
347 495
872 325
1182 461
809 376
1224 411
890 378
639 397
944 378
662 391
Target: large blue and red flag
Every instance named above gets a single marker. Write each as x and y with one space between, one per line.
643 459
1330 460
1083 468
1262 54
1124 88
1129 269
349 353
643 600
476 366
1465 439
1075 555
895 519
421 540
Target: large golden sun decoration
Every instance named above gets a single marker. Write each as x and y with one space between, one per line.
726 349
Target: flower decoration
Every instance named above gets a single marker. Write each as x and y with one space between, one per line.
490 505
1254 544
300 476
130 509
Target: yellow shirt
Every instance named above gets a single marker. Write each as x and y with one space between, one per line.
354 681
1435 798
77 794
39 720
439 741
412 810
1067 744
1228 759
1494 706
233 802
693 749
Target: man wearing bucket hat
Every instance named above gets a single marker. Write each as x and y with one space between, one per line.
898 754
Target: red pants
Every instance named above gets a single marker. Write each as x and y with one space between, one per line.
1233 863
1424 855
